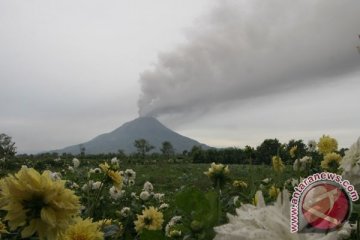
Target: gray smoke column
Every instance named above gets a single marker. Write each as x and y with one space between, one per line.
245 49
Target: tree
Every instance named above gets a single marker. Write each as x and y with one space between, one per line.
167 149
142 147
7 147
268 149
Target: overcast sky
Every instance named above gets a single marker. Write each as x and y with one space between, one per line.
226 73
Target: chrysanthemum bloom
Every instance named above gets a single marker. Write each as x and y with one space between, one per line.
331 162
277 164
218 174
76 162
311 146
83 230
239 184
350 165
115 176
274 191
37 204
148 187
327 145
265 222
151 219
293 151
130 174
144 195
115 193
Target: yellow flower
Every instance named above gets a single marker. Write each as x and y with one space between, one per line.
83 230
292 151
327 145
240 184
331 162
115 176
273 191
218 174
151 219
38 204
277 164
104 222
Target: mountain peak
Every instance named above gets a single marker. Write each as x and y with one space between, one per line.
123 138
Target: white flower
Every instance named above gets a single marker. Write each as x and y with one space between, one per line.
125 212
164 206
96 185
71 169
144 195
350 164
148 187
131 182
159 197
55 176
57 159
114 161
94 170
130 174
115 193
264 222
266 180
312 146
74 185
76 162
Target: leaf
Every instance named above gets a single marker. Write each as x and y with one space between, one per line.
151 235
193 202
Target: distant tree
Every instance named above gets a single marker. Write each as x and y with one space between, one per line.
197 154
82 150
250 153
121 154
268 149
167 149
142 146
7 146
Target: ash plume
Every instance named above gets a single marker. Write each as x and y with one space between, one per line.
245 49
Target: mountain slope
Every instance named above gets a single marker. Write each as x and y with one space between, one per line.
123 138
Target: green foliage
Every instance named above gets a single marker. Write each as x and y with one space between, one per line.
7 146
167 149
267 149
142 147
201 211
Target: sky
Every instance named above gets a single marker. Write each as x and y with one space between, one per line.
227 73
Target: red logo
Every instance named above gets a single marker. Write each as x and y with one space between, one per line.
325 206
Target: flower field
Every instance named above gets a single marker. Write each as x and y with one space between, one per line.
81 199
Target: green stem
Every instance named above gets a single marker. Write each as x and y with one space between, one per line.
358 229
91 211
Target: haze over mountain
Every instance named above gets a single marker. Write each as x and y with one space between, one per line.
123 138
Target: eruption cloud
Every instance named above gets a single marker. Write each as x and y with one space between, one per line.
245 49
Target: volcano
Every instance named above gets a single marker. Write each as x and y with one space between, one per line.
123 138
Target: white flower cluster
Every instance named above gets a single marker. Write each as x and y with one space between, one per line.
129 177
350 165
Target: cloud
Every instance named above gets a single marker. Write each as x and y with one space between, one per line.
245 49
